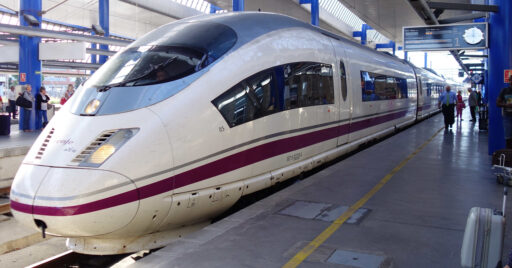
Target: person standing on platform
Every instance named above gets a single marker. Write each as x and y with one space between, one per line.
41 108
11 95
69 92
447 102
460 105
479 97
27 111
505 102
473 102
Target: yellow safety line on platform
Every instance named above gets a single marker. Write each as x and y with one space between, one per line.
320 239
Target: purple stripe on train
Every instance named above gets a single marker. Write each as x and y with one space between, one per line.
212 169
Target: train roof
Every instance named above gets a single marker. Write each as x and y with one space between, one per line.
251 25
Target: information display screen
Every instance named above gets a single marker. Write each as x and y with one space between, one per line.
445 37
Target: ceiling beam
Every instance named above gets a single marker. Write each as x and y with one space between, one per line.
474 56
71 65
30 31
472 65
457 6
470 16
100 52
167 8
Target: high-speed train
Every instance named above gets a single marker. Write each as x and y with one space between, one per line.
174 129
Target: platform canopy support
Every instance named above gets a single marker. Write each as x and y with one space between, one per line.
238 5
105 24
29 63
315 10
500 59
390 44
363 33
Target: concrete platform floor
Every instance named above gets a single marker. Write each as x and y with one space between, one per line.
18 139
416 219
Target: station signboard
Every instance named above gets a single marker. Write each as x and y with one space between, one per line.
11 66
507 75
446 37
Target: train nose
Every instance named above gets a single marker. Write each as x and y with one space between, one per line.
73 202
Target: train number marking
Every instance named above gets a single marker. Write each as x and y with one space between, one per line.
70 149
294 157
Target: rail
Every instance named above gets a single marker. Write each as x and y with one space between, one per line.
73 259
4 201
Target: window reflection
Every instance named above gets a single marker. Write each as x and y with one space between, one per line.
376 87
277 89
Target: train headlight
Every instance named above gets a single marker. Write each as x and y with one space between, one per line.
92 107
104 146
102 153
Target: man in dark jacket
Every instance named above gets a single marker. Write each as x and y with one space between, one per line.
447 102
473 102
505 102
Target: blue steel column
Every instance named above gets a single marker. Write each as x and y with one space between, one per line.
93 56
426 57
364 35
500 58
315 12
29 62
214 8
238 5
104 23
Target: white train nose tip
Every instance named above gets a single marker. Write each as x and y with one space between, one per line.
79 202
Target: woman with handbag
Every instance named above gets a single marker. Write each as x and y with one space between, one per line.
41 108
27 95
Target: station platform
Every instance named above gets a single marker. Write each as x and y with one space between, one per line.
13 149
410 194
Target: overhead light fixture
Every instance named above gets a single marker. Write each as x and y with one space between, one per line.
98 30
31 20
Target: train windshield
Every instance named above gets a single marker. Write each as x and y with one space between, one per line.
167 54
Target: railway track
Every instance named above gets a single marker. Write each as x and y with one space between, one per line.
73 259
77 260
5 191
4 207
4 201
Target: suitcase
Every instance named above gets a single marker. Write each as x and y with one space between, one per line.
483 237
483 112
482 117
5 125
482 124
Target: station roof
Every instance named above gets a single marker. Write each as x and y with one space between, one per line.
390 16
128 19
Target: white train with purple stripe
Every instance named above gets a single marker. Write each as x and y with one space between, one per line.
174 129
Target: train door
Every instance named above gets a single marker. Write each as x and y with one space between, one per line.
345 96
421 98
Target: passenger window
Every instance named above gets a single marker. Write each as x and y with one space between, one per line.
277 89
382 87
308 84
343 76
248 100
262 91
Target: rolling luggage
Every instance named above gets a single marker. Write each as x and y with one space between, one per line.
482 117
5 125
483 237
